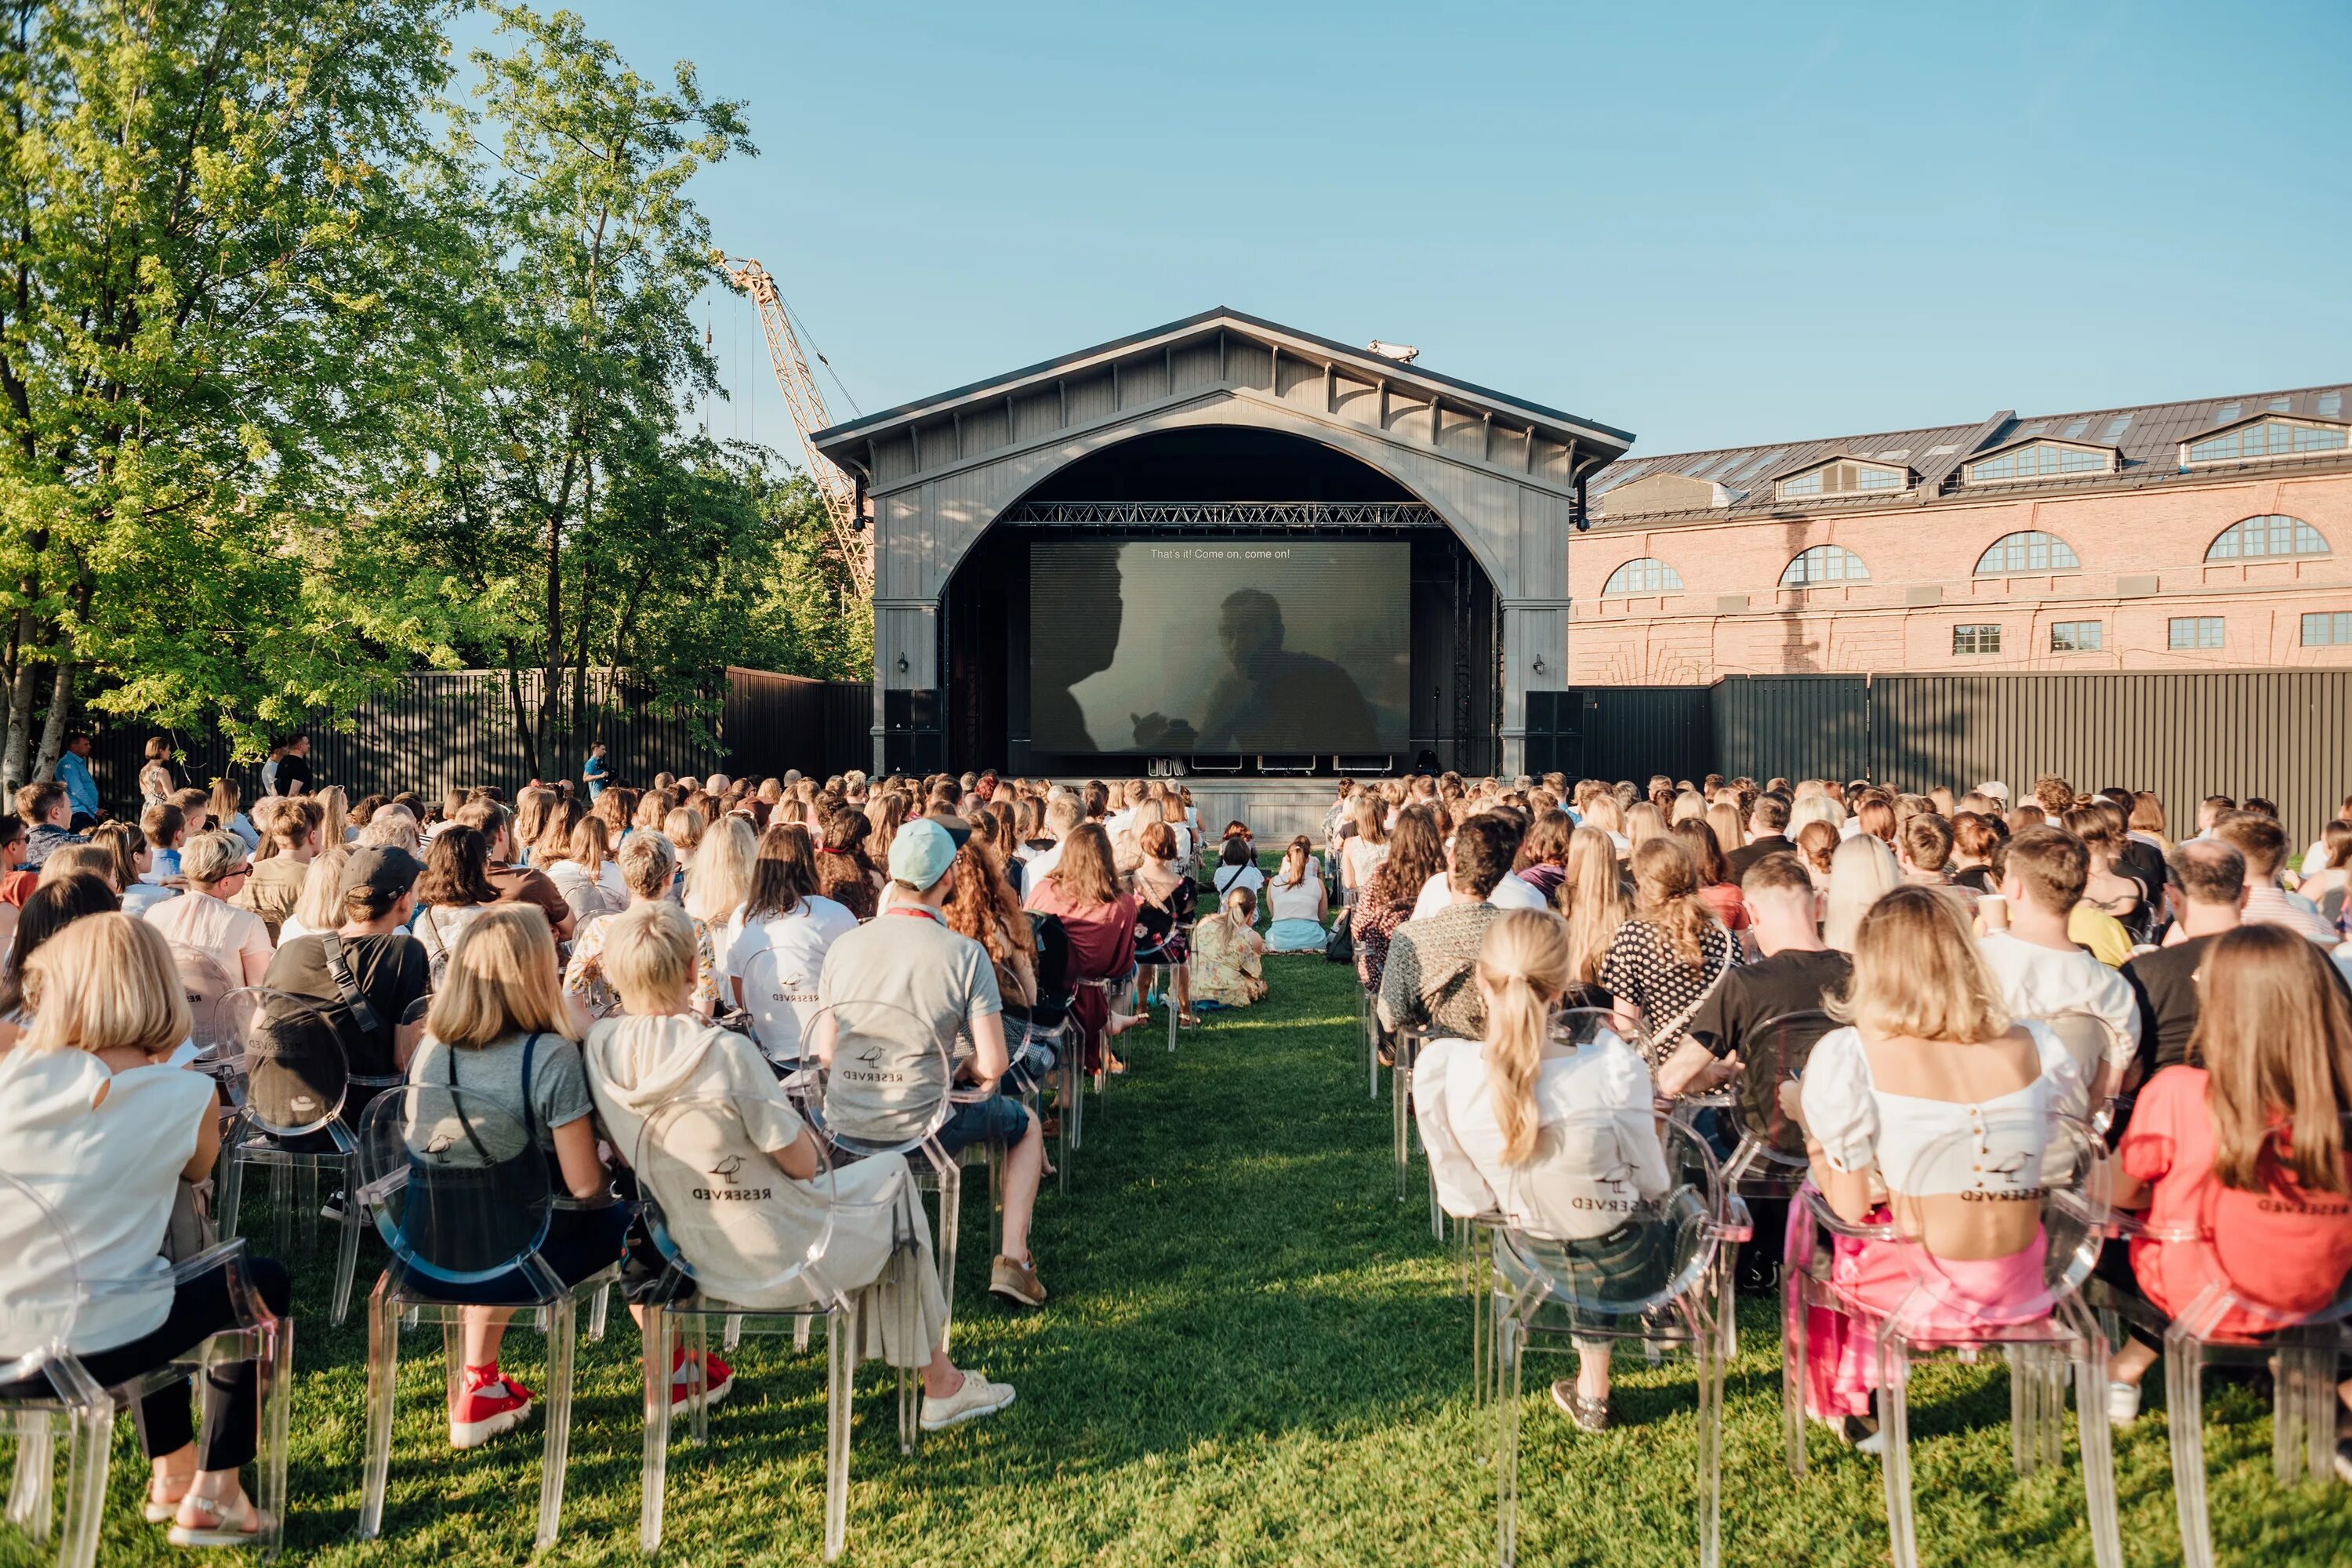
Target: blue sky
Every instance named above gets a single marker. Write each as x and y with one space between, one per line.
1707 223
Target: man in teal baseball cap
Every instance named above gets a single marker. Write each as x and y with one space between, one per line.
921 855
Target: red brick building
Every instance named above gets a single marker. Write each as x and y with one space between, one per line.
2212 534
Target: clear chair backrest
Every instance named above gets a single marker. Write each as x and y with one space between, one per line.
460 1189
2000 1221
206 983
295 1075
780 997
719 1208
1775 1053
33 1323
1642 1197
1582 1027
887 1080
2086 1037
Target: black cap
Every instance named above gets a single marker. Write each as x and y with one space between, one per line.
385 868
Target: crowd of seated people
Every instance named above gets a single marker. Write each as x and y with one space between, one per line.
1911 968
586 954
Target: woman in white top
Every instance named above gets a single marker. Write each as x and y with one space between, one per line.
659 1049
1299 902
1560 1141
1362 854
587 865
1930 1066
783 916
97 1126
1236 868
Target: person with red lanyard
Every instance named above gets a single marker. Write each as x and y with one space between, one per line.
1082 892
907 958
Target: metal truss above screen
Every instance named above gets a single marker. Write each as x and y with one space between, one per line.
1222 514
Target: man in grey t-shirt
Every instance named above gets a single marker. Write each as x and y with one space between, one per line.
907 958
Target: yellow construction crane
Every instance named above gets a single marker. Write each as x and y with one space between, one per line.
809 416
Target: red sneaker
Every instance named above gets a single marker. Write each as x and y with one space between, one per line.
490 1404
718 1378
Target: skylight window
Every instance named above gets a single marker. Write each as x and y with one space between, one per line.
2076 427
2331 404
2117 426
2266 437
1844 477
2039 460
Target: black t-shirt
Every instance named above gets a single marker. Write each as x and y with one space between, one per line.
1742 859
2164 983
1754 993
392 971
293 770
1976 879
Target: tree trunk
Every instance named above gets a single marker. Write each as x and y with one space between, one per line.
550 689
582 720
14 770
53 732
522 722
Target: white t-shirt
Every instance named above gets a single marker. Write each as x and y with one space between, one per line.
108 1173
1040 865
1510 893
1857 1126
1227 878
568 875
1596 1160
799 941
220 931
2044 983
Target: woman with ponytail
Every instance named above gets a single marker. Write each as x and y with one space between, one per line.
1492 1114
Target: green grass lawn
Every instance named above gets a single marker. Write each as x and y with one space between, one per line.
1254 1356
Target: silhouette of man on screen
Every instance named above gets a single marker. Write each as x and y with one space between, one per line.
1082 641
1272 700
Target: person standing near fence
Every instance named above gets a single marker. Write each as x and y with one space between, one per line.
596 773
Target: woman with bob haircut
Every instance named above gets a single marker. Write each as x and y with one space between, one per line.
93 1119
500 1027
1490 1111
2248 1149
455 891
1927 1053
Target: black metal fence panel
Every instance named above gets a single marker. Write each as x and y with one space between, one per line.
457 729
2285 735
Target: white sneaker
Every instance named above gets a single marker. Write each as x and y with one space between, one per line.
976 1397
2123 1403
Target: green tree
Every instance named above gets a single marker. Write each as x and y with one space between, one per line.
200 205
565 354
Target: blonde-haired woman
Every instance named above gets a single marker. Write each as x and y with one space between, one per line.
1928 1057
94 1121
1591 899
1861 872
722 881
320 907
1664 962
1491 1113
659 1048
1644 822
501 1028
1361 855
684 827
1605 815
334 824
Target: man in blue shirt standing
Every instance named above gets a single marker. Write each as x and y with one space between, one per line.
81 787
596 775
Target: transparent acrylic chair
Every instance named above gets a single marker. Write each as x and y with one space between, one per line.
461 1195
885 1085
779 999
1768 1156
44 1384
1958 1289
1650 1280
291 1088
2225 1326
205 982
746 1245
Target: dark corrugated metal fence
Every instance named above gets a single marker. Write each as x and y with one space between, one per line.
2284 734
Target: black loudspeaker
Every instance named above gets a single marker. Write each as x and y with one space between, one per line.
911 742
1555 739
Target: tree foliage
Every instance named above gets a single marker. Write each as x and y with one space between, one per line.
313 369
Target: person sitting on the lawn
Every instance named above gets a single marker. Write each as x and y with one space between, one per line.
1299 901
1227 970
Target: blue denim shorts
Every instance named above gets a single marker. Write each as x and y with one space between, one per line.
999 1119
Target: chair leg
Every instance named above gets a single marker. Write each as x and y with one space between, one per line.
2098 1448
383 1361
29 1491
1794 1349
231 1185
1706 1351
600 1306
1401 1095
1894 1441
562 1320
307 1194
951 1229
347 1252
281 1205
2303 1428
657 1338
1507 1435
89 1444
841 1372
2184 1394
733 1334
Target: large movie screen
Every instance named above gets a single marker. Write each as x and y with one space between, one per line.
1169 648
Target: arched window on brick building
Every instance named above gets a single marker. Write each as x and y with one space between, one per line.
1825 563
2028 550
2266 537
1647 574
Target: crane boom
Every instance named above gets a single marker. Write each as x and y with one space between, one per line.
809 416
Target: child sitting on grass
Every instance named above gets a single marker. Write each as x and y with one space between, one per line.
1227 952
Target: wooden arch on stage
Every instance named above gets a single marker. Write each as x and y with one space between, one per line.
1506 476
